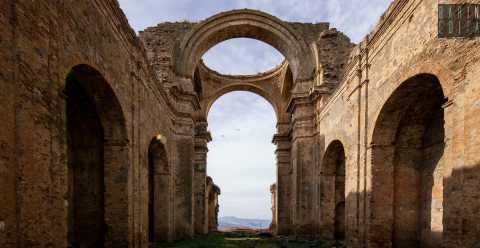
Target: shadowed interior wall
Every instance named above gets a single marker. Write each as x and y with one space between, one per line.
85 168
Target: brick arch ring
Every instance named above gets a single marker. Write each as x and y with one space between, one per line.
242 87
245 23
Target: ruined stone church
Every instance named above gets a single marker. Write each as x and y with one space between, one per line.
104 131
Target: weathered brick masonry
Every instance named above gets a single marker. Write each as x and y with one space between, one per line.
104 133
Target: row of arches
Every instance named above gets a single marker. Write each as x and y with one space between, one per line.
98 167
407 150
407 161
407 146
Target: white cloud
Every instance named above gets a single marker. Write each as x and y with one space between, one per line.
354 17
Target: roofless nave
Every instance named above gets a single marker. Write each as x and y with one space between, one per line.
104 133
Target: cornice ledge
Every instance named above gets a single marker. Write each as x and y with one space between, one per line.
185 96
318 91
183 125
199 148
297 99
204 135
201 131
280 138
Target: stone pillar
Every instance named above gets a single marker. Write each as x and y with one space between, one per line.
455 202
216 208
183 183
303 165
186 103
284 186
273 191
116 188
202 137
213 191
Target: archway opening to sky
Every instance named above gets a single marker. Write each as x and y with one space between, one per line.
241 157
242 56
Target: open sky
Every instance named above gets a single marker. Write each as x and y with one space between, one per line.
241 158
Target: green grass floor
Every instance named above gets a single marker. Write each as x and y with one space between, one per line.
241 240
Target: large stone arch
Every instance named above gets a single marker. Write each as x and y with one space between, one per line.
267 85
86 85
406 204
245 24
247 87
429 67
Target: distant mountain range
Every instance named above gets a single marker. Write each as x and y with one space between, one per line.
229 222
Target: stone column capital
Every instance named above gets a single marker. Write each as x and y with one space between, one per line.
302 109
206 136
183 126
318 91
278 138
201 131
297 100
186 101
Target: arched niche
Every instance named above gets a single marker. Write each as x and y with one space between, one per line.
98 162
158 191
332 192
407 163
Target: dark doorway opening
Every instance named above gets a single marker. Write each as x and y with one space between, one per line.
86 188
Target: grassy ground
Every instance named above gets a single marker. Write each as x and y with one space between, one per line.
241 240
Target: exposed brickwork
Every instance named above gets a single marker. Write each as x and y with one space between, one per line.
85 142
42 41
377 143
